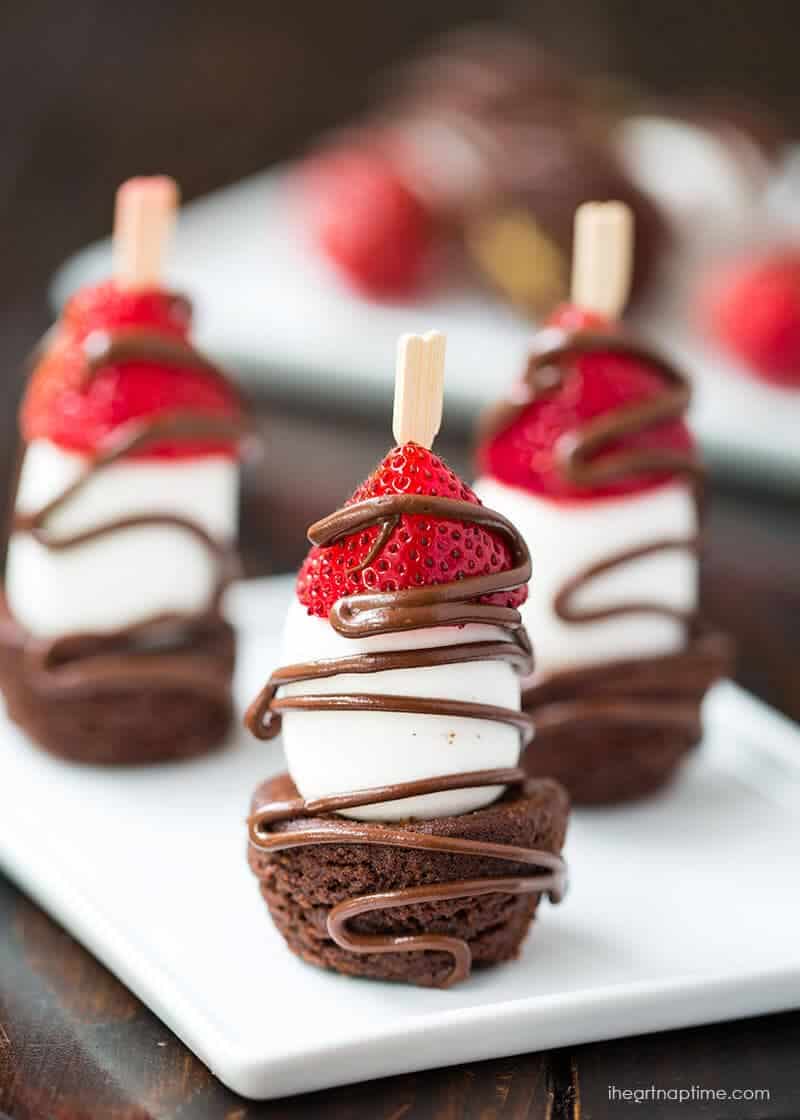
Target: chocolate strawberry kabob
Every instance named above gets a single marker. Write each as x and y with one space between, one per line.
113 648
404 843
592 458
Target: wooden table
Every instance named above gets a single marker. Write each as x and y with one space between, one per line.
95 91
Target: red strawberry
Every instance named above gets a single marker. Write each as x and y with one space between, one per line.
107 307
61 405
523 454
367 222
573 318
753 309
418 553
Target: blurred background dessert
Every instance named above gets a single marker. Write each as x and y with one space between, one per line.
497 142
449 188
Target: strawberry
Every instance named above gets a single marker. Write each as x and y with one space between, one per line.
367 222
573 318
419 551
81 415
753 309
524 454
107 307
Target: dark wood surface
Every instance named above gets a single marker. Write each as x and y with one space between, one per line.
95 90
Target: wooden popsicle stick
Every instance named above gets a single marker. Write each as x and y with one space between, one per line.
419 388
143 219
602 257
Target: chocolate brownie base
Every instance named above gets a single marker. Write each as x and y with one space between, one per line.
129 723
301 885
602 765
603 761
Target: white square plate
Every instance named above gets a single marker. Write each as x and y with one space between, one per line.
682 910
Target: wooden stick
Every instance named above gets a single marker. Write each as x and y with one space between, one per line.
419 388
143 219
602 257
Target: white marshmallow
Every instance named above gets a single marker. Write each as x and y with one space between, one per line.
339 751
564 538
126 576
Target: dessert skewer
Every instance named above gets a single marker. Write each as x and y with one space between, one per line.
593 460
113 647
403 728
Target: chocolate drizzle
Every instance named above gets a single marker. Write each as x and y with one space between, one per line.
107 348
652 693
661 693
564 602
168 649
579 454
313 822
178 651
440 604
582 457
386 612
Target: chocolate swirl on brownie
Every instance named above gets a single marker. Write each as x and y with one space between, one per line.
623 692
186 650
283 825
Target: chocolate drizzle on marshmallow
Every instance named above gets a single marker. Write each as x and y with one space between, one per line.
180 649
455 603
621 692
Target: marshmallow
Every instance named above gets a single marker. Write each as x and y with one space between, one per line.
340 751
566 537
129 575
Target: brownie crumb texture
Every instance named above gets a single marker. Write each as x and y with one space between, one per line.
301 885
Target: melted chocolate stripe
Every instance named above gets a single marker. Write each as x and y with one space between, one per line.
333 830
131 437
564 606
276 811
103 673
656 693
413 705
184 651
135 436
264 721
441 604
576 452
459 950
107 348
590 713
685 673
119 525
